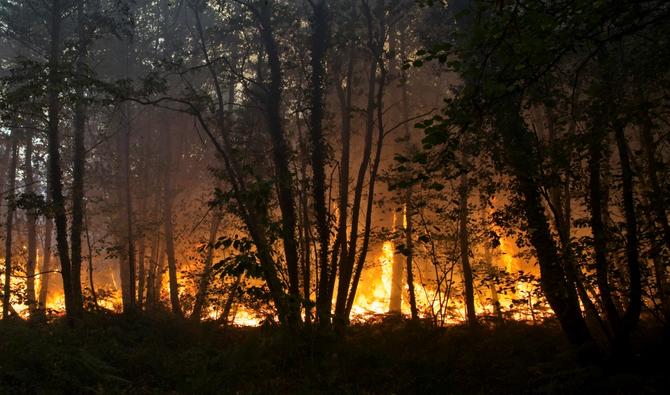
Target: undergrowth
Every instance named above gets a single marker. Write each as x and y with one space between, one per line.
160 355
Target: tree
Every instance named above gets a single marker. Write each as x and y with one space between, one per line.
11 186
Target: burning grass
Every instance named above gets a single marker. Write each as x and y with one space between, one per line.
157 354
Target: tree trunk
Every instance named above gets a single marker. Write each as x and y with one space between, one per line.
280 154
125 213
91 283
632 313
374 171
54 173
168 199
289 313
346 286
409 246
141 272
599 231
319 44
659 210
31 219
78 161
45 276
344 95
206 276
522 159
151 273
464 243
398 270
488 259
11 197
560 203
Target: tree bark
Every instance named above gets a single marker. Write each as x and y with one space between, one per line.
168 199
11 197
599 231
488 259
398 269
522 160
206 275
151 273
632 314
91 283
319 44
78 161
31 219
464 244
126 242
409 245
54 166
280 156
347 286
659 210
374 171
254 219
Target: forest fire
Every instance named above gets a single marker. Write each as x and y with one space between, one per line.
372 299
284 183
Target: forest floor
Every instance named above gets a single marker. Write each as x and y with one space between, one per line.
161 355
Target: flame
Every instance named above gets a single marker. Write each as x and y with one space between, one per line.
243 317
373 297
374 290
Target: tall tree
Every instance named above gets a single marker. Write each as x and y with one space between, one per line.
79 158
9 222
54 174
31 219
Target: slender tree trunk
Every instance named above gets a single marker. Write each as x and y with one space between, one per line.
599 231
344 95
168 199
280 154
560 203
409 245
54 173
132 271
141 272
32 229
124 223
632 313
78 161
347 265
307 262
488 259
227 306
659 210
151 275
374 171
318 51
305 228
464 243
91 283
11 195
395 304
206 276
345 285
45 276
398 269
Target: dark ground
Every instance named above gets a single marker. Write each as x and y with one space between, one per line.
159 355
